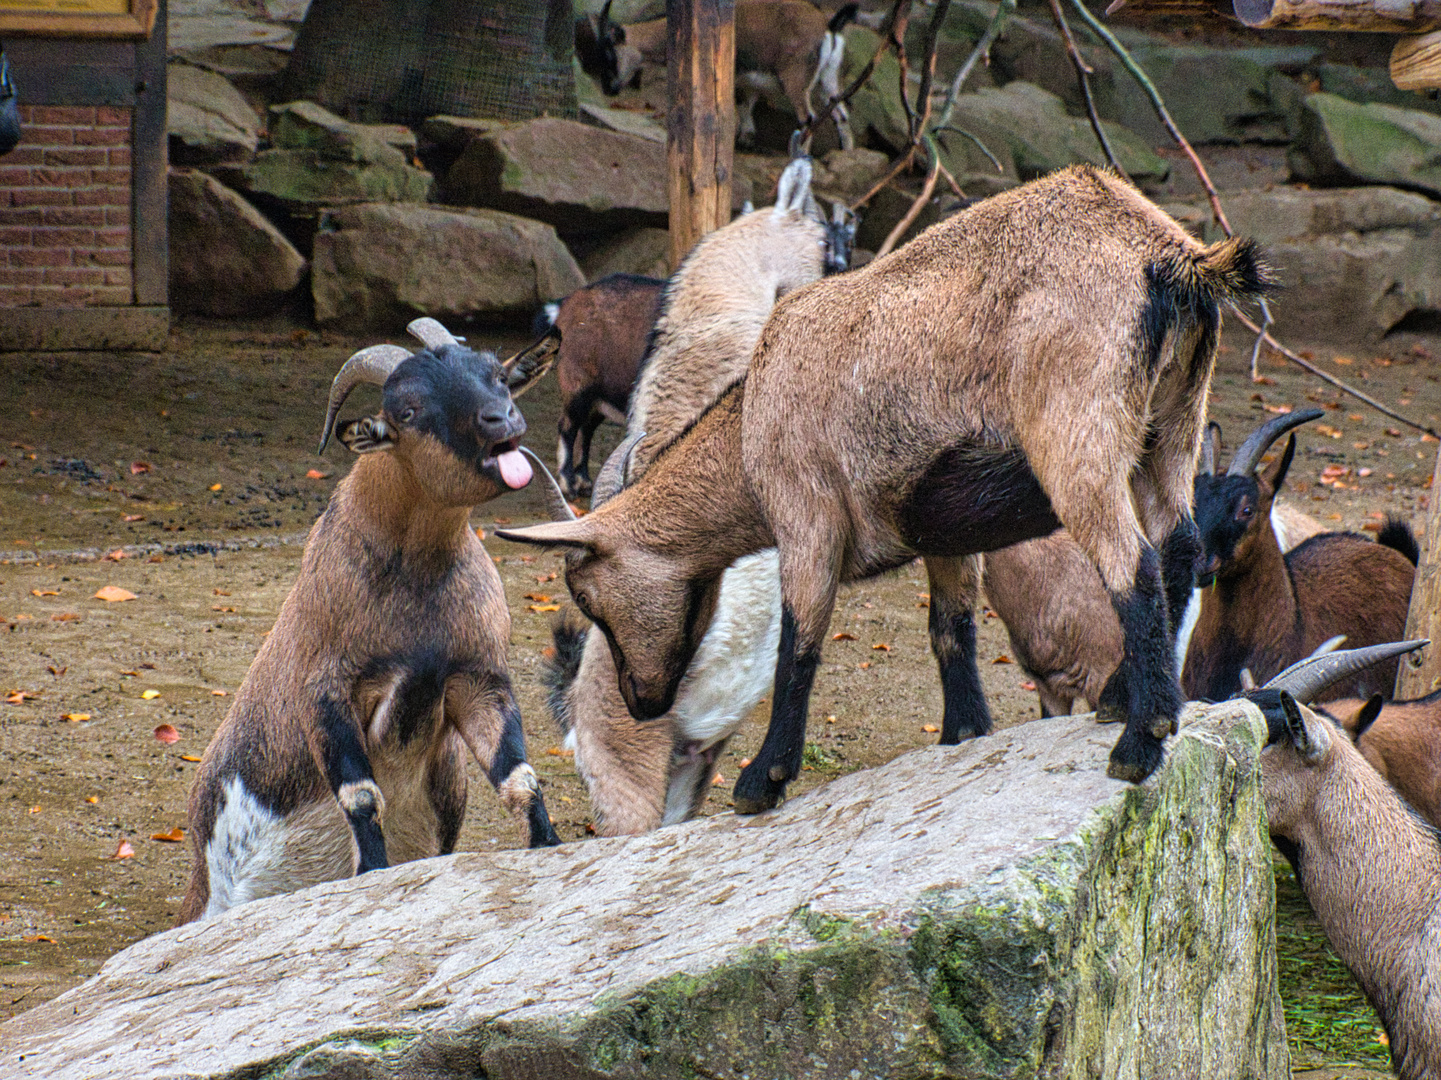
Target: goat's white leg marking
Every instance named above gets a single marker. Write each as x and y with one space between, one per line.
362 797
519 788
254 852
1188 627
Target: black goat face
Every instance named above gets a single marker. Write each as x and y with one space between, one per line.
457 400
1228 508
840 238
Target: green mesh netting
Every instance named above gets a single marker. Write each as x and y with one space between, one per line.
399 61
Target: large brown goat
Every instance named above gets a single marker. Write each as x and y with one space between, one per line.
344 749
1262 609
1402 742
931 403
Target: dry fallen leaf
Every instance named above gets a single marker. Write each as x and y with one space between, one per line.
548 652
174 836
843 636
543 607
44 592
36 809
1281 409
1342 360
123 850
316 474
188 757
221 607
717 780
881 646
75 717
133 517
1028 686
1003 659
541 579
559 751
17 697
42 937
502 521
539 598
220 592
480 534
138 467
219 693
930 728
830 719
1327 430
117 555
149 695
65 616
166 733
113 594
864 664
745 762
92 799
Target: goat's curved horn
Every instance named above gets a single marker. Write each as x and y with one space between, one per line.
372 365
1307 679
555 501
611 479
1249 454
431 333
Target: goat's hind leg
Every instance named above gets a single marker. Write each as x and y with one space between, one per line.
342 757
954 591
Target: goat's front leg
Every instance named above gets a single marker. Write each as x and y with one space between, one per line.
808 596
337 747
483 709
954 591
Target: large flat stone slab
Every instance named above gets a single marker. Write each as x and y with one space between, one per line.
999 909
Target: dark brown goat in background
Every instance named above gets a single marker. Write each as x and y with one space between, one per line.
917 406
604 328
344 749
1261 609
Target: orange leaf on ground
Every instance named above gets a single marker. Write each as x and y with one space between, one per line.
37 809
316 474
65 616
543 607
75 717
502 521
745 762
167 734
1282 409
133 517
541 579
717 780
44 592
558 751
42 937
215 487
843 636
188 757
1028 686
174 836
930 728
865 664
220 592
17 697
830 719
222 607
548 652
480 534
1003 659
881 646
117 555
114 594
92 799
123 850
149 695
539 598
138 467
220 693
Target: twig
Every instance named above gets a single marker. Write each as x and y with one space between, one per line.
928 70
1134 69
1083 76
982 147
981 51
915 210
1301 361
946 173
901 164
1266 322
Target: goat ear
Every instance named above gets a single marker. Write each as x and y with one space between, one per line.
1276 474
1310 740
574 534
366 435
1366 716
1210 448
794 187
524 369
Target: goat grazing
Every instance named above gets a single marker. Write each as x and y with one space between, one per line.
1369 866
643 776
1262 609
343 751
930 403
1062 628
604 328
787 45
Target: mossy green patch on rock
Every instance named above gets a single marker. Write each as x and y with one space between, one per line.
1341 142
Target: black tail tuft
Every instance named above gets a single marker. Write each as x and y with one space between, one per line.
1397 535
843 18
1236 269
559 665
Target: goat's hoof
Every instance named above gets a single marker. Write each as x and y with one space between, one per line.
745 805
1110 714
1134 757
1162 726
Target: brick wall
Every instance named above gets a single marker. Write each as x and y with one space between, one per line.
65 209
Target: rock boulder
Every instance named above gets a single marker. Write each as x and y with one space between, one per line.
208 120
378 266
997 909
1341 143
226 259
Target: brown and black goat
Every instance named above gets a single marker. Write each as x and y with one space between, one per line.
604 329
785 45
1261 609
1369 866
641 776
1040 359
1062 628
344 749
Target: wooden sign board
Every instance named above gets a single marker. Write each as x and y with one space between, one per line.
133 19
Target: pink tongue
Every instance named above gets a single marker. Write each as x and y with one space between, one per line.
514 469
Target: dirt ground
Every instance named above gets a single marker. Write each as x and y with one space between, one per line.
189 478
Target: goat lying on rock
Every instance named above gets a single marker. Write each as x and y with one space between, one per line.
642 776
1370 867
1040 359
344 749
1268 609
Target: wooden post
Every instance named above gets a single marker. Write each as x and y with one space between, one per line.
1376 16
1416 62
700 81
1420 671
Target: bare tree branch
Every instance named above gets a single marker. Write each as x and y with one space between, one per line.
982 51
905 223
1083 76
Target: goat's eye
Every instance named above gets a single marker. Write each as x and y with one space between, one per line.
1244 513
407 416
582 601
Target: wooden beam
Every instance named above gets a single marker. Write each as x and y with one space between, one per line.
1379 16
700 144
1416 62
1420 672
